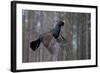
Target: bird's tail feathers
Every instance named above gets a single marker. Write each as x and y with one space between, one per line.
35 44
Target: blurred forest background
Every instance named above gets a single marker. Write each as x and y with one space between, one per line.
77 32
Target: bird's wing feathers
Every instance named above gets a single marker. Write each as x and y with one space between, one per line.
47 38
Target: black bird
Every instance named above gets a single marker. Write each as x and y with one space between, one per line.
45 38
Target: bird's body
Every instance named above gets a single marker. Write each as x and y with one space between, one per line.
46 38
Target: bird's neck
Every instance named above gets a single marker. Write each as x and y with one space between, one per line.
56 31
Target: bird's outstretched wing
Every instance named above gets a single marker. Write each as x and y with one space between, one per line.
54 49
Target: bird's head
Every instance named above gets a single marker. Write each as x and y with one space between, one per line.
60 23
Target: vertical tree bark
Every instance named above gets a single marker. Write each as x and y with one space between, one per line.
25 37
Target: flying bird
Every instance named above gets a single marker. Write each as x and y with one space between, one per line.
46 38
